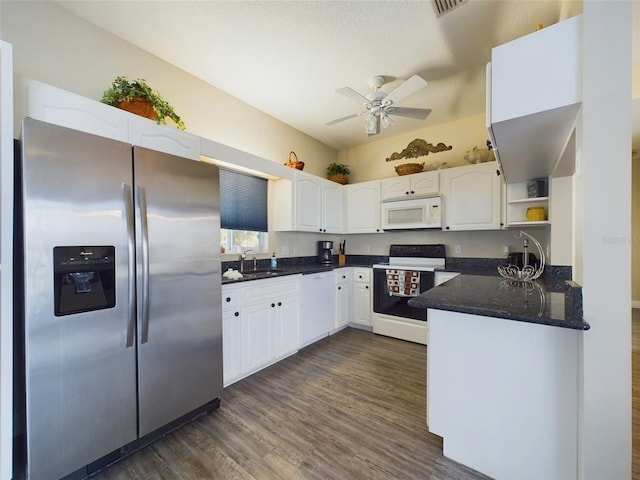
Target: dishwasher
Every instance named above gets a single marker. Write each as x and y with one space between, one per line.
318 306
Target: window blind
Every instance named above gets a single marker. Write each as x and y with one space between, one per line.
243 201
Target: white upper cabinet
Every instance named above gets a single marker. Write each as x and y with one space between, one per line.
163 138
410 186
363 207
534 92
333 208
308 204
472 197
60 107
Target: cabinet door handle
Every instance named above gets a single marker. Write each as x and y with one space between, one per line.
236 314
406 193
412 192
273 305
339 288
279 304
228 299
366 286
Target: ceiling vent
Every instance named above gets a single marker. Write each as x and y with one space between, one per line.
443 6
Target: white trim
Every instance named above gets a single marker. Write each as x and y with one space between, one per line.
6 260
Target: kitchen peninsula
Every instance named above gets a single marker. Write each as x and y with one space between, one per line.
502 370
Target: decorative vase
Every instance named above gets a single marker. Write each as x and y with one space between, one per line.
138 105
339 178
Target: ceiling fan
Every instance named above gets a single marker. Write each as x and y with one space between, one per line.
379 105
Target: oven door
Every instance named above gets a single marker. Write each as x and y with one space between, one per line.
394 305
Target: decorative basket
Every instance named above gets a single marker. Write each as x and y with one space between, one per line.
293 161
138 105
339 178
409 168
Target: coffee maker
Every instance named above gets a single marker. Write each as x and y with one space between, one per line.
324 252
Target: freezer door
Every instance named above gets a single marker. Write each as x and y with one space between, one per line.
80 361
179 282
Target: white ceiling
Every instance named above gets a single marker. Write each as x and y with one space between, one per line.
288 58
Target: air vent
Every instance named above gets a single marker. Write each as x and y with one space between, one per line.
443 6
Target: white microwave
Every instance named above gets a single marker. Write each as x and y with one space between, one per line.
412 214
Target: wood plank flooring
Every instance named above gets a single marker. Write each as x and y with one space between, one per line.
351 406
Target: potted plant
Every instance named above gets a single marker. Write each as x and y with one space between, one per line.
136 96
337 172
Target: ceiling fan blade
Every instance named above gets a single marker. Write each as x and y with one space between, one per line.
341 119
419 113
410 86
352 94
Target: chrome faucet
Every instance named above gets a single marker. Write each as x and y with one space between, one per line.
243 256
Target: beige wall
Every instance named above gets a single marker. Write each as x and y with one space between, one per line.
368 161
58 48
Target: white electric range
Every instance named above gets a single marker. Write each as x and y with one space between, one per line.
392 316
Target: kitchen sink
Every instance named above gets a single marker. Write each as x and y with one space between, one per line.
261 273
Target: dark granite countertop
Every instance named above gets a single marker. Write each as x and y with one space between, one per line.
556 303
287 268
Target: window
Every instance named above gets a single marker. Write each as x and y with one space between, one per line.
243 212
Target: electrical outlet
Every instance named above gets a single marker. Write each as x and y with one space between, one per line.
458 249
366 249
285 250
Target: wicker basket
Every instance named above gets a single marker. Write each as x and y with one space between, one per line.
339 178
409 168
293 161
139 106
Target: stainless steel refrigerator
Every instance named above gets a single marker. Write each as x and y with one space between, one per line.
121 271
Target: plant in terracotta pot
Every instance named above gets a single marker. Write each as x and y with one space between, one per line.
138 97
337 172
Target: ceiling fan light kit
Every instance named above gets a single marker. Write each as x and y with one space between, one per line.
379 105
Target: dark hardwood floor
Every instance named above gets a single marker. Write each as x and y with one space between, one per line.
351 406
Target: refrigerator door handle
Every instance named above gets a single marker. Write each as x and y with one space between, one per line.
144 232
131 247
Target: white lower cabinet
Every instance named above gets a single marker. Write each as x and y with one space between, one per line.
362 296
260 324
231 334
343 280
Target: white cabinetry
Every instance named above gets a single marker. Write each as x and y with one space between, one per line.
163 138
363 207
410 186
362 296
231 334
534 90
472 197
333 207
518 202
343 281
260 324
60 107
308 204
